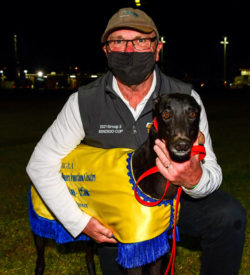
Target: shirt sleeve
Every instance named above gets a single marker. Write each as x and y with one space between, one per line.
211 171
43 168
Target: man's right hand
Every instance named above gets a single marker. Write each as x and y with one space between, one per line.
95 230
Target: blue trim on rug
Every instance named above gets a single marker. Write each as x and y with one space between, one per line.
140 193
50 229
139 254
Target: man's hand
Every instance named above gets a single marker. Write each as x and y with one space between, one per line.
186 174
98 232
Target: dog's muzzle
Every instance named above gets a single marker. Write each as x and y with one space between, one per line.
180 150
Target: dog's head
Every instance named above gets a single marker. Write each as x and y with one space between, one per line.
178 117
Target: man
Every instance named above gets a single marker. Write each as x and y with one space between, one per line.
122 99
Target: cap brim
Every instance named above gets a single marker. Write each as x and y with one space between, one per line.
142 29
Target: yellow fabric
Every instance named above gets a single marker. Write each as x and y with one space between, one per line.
98 180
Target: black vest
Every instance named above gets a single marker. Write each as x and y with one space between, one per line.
107 121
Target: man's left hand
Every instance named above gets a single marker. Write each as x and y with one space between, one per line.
186 174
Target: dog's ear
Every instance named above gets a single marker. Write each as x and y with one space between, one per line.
158 100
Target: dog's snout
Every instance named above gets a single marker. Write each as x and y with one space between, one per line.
180 150
182 146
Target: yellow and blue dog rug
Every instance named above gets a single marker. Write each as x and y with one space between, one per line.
102 184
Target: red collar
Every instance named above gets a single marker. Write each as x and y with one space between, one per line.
155 124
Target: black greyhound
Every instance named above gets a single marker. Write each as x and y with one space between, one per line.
177 117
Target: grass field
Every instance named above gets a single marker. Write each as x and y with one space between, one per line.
24 118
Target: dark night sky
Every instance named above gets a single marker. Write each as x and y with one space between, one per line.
53 35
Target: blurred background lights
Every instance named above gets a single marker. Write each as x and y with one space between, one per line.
245 72
40 73
138 3
225 42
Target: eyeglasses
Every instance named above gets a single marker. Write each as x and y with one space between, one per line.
139 44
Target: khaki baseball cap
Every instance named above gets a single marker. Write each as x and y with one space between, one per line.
130 18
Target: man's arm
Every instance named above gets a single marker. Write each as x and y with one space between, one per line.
206 177
44 171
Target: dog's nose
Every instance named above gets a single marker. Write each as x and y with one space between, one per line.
182 146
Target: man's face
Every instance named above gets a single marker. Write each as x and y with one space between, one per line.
126 34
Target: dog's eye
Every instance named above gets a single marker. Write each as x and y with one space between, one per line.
166 115
192 114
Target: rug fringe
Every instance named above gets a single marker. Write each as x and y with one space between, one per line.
139 254
50 229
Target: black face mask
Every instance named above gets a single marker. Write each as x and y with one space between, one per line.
131 68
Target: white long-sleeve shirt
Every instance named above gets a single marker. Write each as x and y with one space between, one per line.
66 133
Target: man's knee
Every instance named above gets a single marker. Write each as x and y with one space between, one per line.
228 217
231 212
238 216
